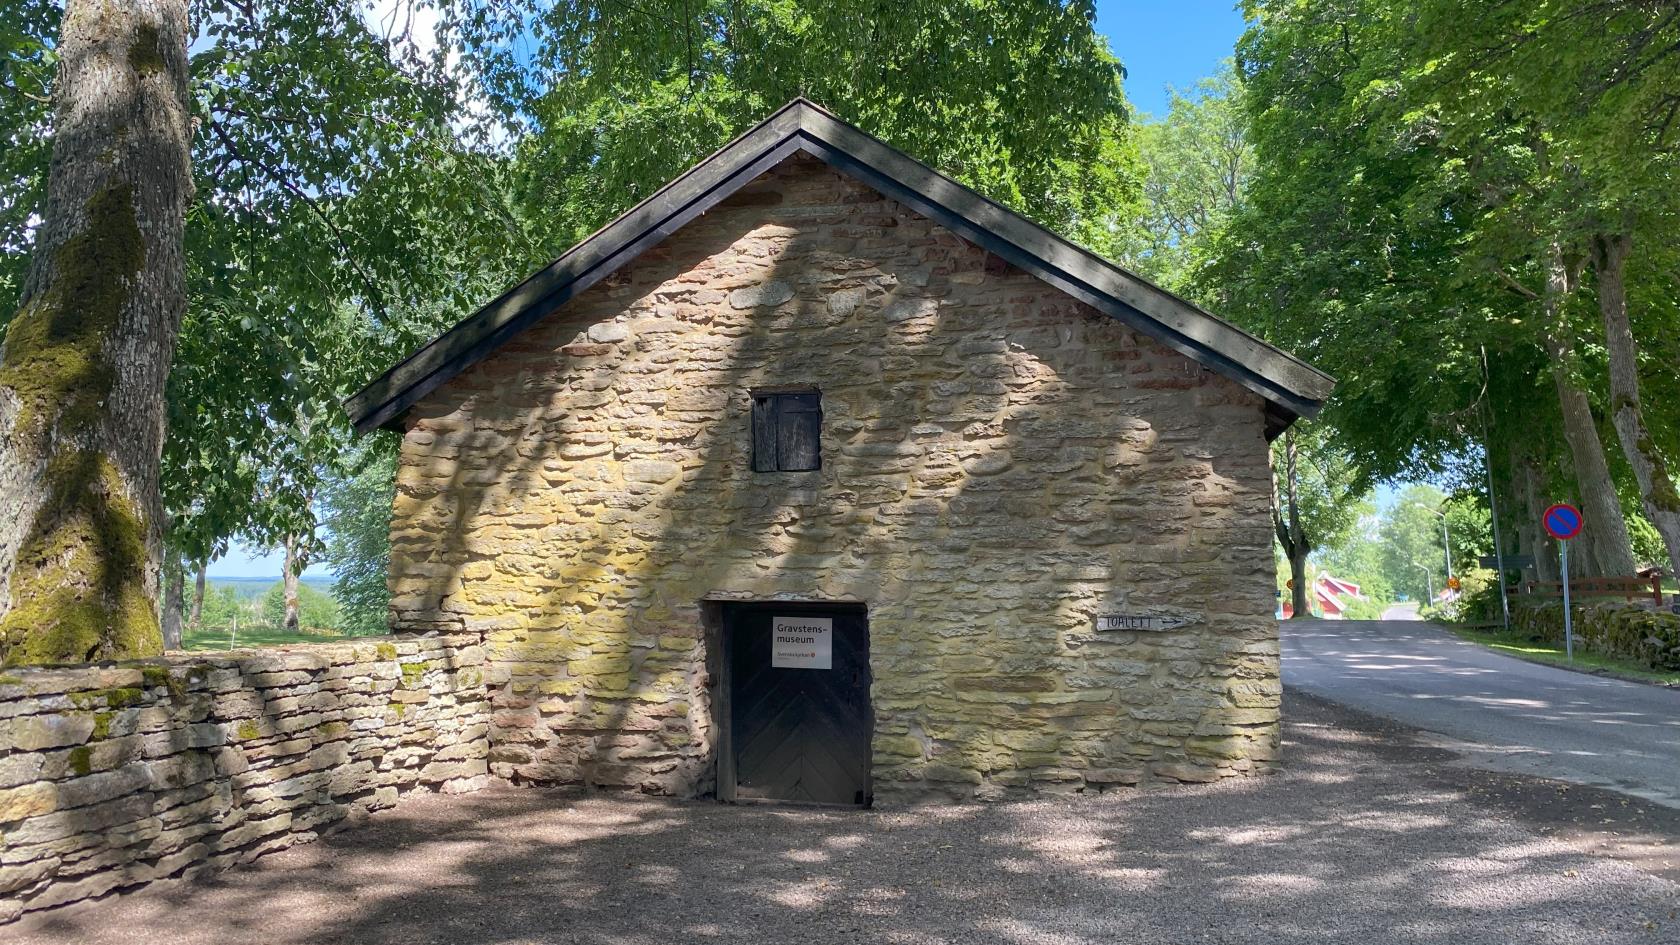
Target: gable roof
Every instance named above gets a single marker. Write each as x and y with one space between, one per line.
1291 387
1338 586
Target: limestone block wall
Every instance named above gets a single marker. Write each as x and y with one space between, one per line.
115 775
1000 463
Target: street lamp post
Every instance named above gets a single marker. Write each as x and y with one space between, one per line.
1428 581
1446 540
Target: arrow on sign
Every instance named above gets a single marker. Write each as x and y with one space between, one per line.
1106 622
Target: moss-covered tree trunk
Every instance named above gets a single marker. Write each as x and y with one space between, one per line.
1604 531
85 358
174 602
1656 487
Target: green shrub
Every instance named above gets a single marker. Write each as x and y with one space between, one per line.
1478 598
222 606
316 611
358 520
1368 608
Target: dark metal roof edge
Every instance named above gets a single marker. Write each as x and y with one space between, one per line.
1068 283
1286 381
395 384
1184 318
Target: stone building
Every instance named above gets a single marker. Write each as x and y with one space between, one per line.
817 476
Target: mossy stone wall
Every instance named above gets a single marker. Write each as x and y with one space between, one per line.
1613 628
116 775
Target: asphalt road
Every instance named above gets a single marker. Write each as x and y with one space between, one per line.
1500 713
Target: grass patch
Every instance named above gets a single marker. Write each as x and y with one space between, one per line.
220 639
1539 651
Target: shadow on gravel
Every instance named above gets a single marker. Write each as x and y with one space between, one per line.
1352 844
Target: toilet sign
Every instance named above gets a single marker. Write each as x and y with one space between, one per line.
802 642
1147 622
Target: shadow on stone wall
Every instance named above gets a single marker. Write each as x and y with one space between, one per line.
973 456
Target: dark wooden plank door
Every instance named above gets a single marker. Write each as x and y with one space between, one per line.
800 734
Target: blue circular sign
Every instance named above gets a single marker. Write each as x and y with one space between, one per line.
1562 521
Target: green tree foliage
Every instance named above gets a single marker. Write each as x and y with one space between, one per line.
345 222
1411 543
1410 540
1022 101
357 516
316 610
1196 164
1346 249
222 606
26 69
1603 76
339 219
1470 527
1313 504
1358 557
345 212
1422 174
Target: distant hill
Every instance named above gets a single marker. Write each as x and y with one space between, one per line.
252 587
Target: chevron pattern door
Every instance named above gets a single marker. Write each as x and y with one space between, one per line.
800 716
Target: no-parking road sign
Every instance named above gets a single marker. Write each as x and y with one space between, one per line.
1562 521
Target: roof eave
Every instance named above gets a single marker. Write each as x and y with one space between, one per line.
1291 387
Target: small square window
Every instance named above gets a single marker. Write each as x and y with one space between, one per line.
787 430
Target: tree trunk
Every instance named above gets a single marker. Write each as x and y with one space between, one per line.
197 619
85 359
1656 486
1298 593
174 602
1295 544
1607 535
1300 547
290 581
1511 512
1534 540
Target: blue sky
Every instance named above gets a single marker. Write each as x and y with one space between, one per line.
1161 44
239 562
1167 43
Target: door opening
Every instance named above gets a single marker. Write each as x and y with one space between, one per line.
796 722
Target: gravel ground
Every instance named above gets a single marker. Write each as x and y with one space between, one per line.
1360 841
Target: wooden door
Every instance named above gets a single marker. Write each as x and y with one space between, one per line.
800 719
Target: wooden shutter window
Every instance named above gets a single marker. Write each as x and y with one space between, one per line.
787 431
798 432
764 433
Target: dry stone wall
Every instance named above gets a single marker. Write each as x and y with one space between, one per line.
112 776
1611 627
1000 464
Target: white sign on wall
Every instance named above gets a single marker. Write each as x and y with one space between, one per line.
802 642
1107 622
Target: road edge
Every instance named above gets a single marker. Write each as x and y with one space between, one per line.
1596 821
